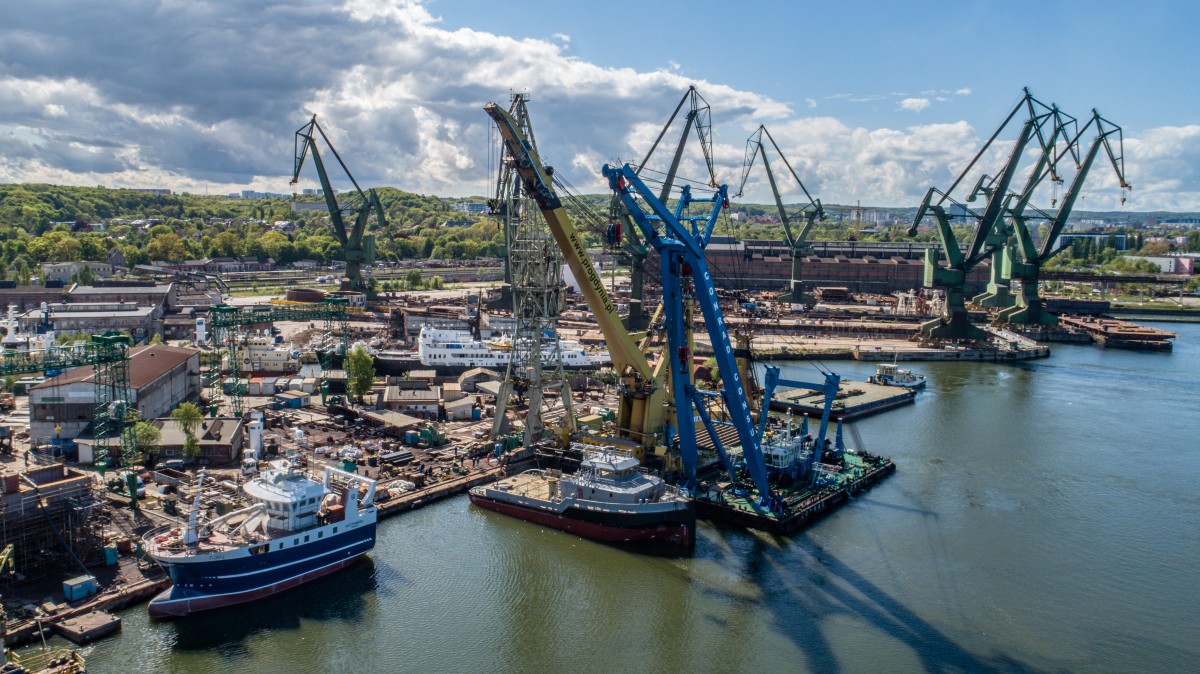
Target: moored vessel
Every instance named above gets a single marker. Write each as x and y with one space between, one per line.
456 351
610 499
298 529
888 374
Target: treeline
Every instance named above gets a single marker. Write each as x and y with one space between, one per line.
50 223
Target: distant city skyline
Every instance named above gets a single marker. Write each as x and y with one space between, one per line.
870 101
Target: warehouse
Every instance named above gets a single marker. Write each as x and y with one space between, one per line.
160 377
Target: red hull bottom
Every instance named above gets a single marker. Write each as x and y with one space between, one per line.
163 606
675 533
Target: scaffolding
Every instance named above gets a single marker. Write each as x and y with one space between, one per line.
55 526
227 324
535 264
108 354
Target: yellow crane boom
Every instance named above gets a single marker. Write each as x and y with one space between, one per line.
641 412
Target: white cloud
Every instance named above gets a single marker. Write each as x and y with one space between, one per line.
1162 164
217 106
914 104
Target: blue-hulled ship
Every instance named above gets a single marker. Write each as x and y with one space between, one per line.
298 528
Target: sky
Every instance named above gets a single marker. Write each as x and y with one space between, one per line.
870 101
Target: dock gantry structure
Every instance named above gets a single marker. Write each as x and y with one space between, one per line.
1063 129
114 414
640 413
534 268
955 323
810 212
227 322
1030 309
697 121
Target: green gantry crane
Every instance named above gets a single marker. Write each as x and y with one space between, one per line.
113 414
1030 309
332 312
358 245
998 294
956 324
813 211
699 119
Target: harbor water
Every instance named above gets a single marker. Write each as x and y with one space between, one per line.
1043 518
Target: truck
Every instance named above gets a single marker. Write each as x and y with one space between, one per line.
249 466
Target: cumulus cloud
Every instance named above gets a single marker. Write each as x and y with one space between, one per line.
199 96
842 164
218 103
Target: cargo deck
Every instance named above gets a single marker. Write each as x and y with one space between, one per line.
803 505
855 399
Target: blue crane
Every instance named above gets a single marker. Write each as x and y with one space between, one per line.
829 388
686 277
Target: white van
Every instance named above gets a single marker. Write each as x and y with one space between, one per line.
249 466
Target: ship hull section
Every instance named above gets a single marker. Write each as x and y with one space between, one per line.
675 529
238 576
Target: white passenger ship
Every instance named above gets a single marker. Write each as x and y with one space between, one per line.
456 350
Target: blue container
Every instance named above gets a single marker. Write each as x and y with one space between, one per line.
411 437
110 555
476 414
80 587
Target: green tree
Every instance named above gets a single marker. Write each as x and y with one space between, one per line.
435 283
156 339
360 372
191 447
85 276
189 417
167 247
413 278
148 440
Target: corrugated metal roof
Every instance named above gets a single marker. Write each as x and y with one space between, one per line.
146 363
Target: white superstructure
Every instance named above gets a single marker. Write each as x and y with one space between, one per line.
456 348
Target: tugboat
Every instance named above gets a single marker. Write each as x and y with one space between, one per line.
888 374
609 499
297 530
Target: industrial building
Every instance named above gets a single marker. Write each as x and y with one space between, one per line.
863 267
421 402
140 293
25 298
220 440
160 377
140 321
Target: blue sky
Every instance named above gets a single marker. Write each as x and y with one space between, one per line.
871 101
1122 57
